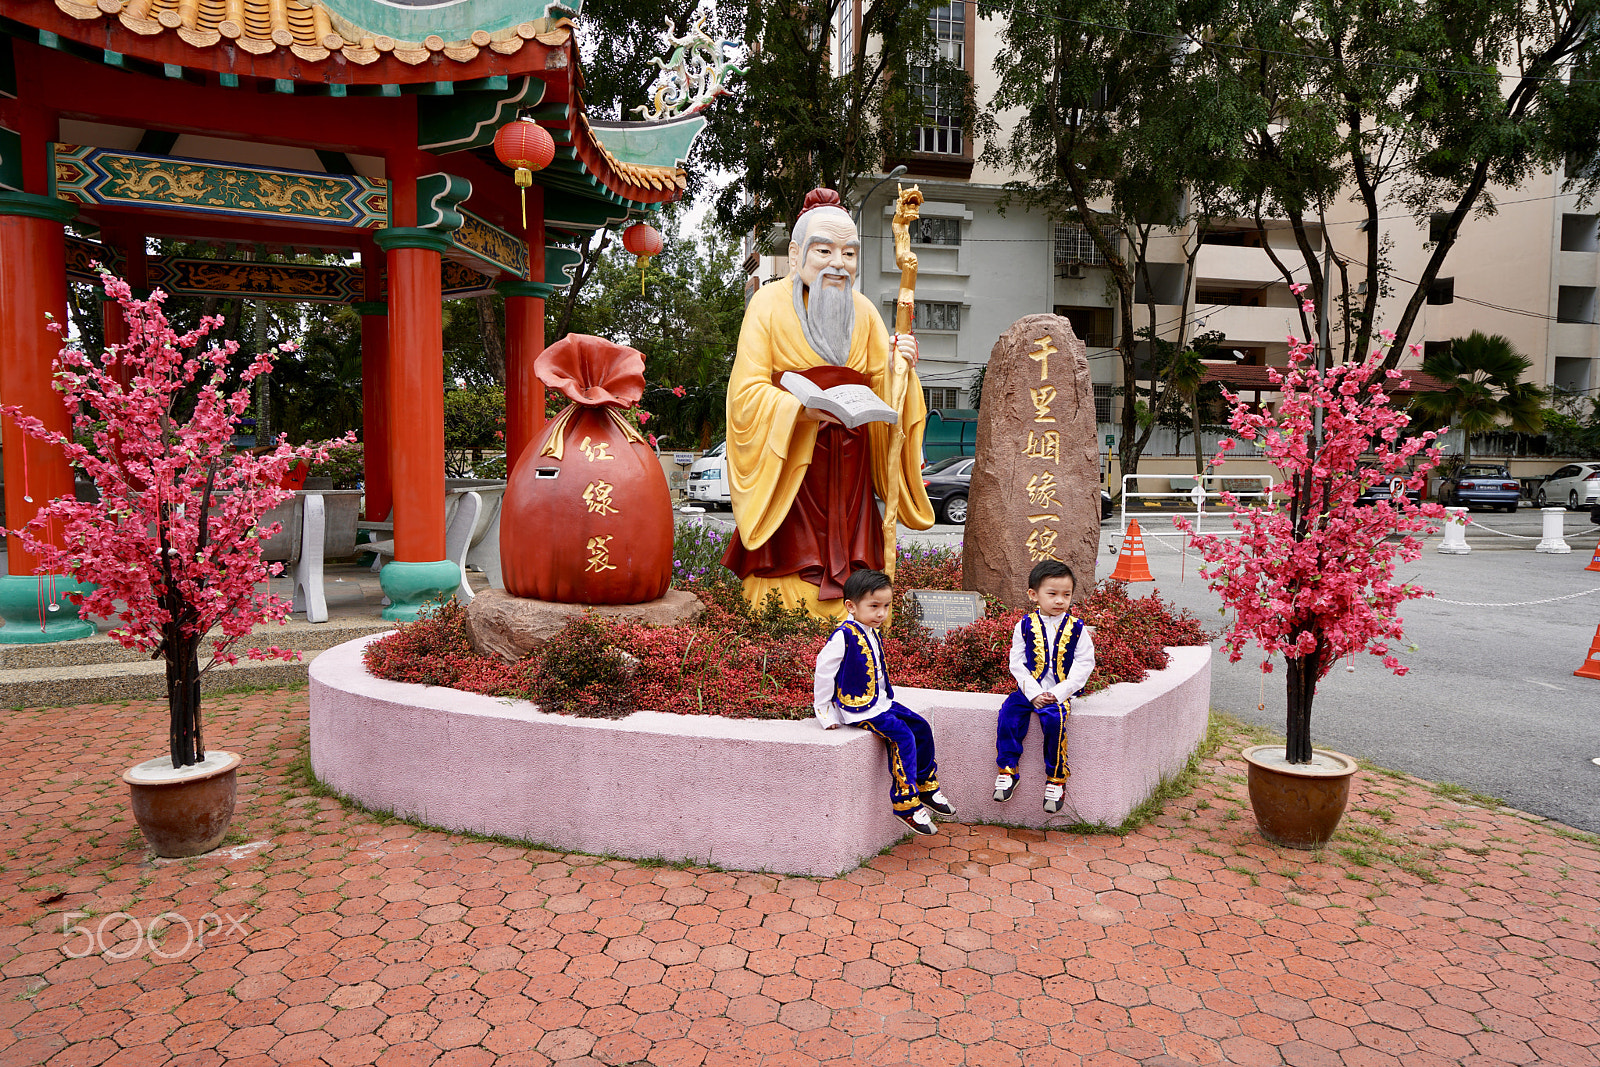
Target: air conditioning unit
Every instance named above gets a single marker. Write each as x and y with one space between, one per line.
1072 270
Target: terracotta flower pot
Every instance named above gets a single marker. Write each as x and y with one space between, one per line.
184 812
1298 805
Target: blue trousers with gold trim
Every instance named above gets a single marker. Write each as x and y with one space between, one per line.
1016 714
909 740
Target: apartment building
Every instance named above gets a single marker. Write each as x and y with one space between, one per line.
1531 272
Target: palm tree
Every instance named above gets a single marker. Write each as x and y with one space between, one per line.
1483 388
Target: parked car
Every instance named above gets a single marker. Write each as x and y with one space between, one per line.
1487 485
708 478
1379 489
949 482
1574 486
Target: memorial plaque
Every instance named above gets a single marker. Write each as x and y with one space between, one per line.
943 610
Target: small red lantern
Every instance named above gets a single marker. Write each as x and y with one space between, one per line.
644 241
525 146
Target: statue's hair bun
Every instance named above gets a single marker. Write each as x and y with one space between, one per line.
822 198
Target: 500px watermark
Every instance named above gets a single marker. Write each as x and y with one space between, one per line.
108 937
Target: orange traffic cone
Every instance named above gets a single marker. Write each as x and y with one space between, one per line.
1594 564
1132 565
1591 662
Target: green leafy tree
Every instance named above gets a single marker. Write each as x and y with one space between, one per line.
804 119
1112 127
1482 376
1416 109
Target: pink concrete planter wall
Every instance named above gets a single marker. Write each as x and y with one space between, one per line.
749 795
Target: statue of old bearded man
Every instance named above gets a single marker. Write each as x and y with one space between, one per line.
803 486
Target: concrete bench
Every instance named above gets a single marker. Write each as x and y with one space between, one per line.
741 793
482 552
317 525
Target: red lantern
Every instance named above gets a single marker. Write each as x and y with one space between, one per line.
644 241
525 146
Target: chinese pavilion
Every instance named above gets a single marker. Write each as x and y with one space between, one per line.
362 126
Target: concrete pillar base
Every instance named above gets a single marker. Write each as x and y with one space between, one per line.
26 598
409 586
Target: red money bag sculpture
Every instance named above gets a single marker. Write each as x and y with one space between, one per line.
587 513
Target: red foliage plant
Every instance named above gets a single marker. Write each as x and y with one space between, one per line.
756 663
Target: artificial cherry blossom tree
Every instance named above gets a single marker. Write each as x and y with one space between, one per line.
1311 574
173 546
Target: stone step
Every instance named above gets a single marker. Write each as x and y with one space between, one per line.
100 649
97 669
98 683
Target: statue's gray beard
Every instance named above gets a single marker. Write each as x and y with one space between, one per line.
828 319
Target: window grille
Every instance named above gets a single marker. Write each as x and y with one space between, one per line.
1074 245
1103 395
936 231
941 397
941 129
929 315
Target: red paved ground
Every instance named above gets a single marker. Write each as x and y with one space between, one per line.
1442 933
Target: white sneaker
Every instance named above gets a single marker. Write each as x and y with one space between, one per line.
1005 782
938 805
1053 794
919 820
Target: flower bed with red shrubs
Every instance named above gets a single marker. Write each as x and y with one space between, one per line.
757 663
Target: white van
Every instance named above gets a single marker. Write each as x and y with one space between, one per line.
708 479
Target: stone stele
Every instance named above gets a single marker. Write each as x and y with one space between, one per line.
1036 483
499 624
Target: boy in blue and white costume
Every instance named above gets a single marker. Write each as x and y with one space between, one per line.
851 688
1052 656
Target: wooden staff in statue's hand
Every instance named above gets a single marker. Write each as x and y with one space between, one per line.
902 357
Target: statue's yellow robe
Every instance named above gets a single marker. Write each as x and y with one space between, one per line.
770 445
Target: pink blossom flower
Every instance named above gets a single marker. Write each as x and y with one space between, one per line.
678 390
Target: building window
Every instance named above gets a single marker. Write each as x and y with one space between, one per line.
1578 233
1103 395
936 231
845 32
1442 291
1074 245
930 315
941 129
941 397
1575 303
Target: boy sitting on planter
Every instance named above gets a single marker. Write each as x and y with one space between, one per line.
851 688
1052 656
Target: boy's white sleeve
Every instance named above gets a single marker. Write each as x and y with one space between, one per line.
1019 670
823 682
1082 667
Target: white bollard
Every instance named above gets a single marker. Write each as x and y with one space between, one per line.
1552 531
1455 533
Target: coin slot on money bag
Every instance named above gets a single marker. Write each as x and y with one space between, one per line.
587 517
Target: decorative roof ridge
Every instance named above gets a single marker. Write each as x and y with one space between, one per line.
306 28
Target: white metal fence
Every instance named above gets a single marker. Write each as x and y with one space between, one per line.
1203 495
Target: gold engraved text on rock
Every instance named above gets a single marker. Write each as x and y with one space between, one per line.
1042 356
1042 491
1044 446
597 498
1042 398
599 554
1042 544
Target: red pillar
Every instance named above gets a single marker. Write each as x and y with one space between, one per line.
524 342
33 293
374 313
416 397
136 273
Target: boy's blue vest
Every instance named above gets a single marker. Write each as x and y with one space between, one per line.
1036 657
862 672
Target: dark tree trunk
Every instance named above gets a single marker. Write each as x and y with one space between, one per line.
1302 687
493 335
183 700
